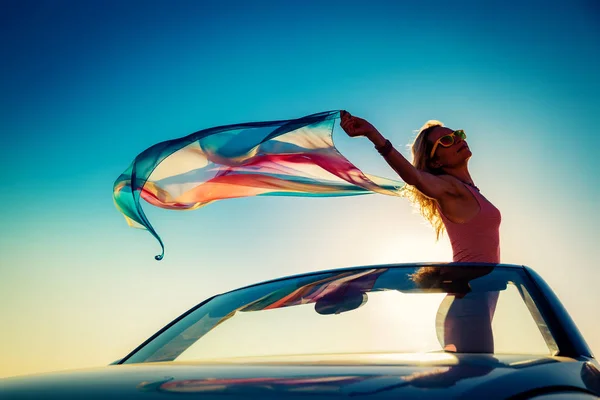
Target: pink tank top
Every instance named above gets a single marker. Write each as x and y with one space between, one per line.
477 240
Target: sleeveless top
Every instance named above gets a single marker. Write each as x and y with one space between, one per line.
477 240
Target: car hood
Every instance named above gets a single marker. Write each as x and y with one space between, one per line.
463 375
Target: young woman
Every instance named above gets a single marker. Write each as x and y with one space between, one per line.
440 184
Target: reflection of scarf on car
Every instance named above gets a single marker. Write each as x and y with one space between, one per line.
278 158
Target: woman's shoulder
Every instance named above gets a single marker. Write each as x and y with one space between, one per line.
461 204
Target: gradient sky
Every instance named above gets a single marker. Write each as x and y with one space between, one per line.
86 86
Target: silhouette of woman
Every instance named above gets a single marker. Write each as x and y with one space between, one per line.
440 184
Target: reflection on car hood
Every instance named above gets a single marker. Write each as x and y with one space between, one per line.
424 377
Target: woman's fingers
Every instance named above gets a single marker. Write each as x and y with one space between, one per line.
347 122
345 117
351 125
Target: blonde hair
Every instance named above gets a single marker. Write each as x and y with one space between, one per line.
427 206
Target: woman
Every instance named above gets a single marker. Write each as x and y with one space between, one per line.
439 182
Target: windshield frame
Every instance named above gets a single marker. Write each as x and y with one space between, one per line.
563 331
567 336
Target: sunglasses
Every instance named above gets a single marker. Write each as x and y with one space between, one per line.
448 140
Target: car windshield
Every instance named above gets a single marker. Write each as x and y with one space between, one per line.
381 310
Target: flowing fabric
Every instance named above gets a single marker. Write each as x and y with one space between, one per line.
277 158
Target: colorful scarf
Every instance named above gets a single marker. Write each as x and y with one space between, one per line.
275 158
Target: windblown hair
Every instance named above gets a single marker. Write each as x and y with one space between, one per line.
420 159
427 277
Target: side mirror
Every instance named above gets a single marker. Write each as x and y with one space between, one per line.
340 301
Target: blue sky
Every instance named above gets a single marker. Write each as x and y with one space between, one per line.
88 85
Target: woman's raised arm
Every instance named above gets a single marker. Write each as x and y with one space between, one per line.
430 185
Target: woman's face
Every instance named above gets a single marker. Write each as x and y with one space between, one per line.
455 155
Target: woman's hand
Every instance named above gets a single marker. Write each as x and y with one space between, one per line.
355 126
